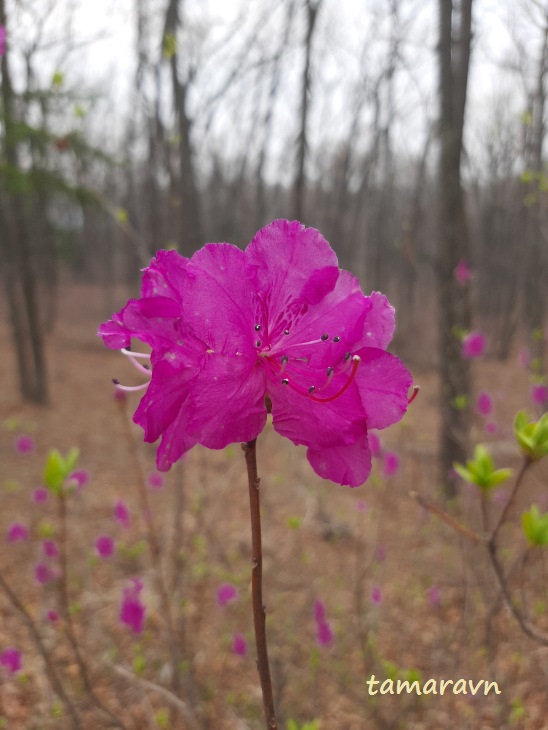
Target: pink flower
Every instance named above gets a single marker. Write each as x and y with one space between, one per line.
104 545
376 595
390 464
50 549
24 444
40 495
239 645
17 531
52 616
361 505
491 427
324 634
78 479
228 327
3 36
319 611
463 272
434 596
121 514
539 394
156 480
374 445
500 497
43 574
473 345
132 610
10 659
484 403
226 593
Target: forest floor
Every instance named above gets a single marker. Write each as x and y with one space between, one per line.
405 596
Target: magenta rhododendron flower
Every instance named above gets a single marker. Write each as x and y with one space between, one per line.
24 444
226 593
50 549
491 427
52 616
324 634
17 531
121 514
40 495
132 610
484 403
463 272
376 595
375 445
539 394
104 545
239 645
473 345
390 463
78 479
156 480
43 574
233 331
434 596
10 659
361 506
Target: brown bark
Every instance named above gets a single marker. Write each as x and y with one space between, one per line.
453 298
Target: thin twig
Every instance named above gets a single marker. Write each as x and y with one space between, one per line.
524 466
451 521
51 673
250 450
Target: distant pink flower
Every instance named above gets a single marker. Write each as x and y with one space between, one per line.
52 616
40 495
524 358
484 403
319 611
491 427
361 505
324 634
104 545
228 326
42 573
500 497
434 596
50 549
24 444
374 445
390 463
156 480
17 531
463 272
121 514
380 553
473 345
226 593
539 394
132 610
3 36
10 659
376 595
78 479
239 645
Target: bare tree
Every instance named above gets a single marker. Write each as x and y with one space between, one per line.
453 299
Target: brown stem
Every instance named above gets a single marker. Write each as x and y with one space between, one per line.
462 529
524 466
257 583
51 673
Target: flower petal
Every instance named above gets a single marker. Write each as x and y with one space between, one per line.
153 321
379 323
346 464
219 298
383 382
165 276
226 401
286 261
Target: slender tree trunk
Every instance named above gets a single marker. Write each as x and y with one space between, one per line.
300 180
453 299
191 232
16 251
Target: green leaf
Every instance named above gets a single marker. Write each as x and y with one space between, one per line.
498 476
535 527
169 46
57 79
54 472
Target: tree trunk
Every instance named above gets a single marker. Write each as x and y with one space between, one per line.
453 298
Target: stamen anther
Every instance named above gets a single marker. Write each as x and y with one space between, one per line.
324 338
257 327
285 381
286 332
312 389
347 355
336 339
